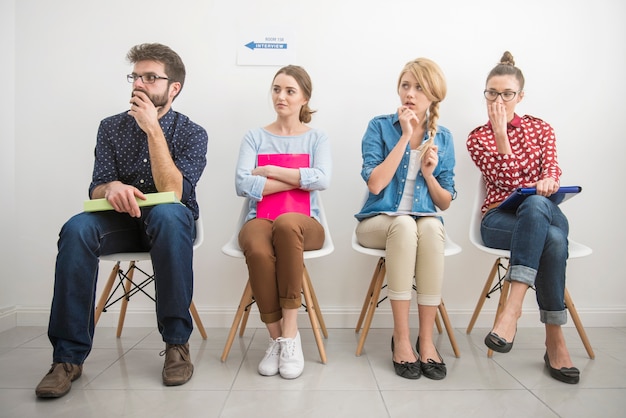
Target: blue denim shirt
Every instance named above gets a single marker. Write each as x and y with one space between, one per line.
383 133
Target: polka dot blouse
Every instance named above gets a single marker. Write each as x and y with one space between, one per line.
122 153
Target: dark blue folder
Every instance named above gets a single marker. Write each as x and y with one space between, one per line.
518 196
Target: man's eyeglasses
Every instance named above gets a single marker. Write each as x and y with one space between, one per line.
145 79
507 96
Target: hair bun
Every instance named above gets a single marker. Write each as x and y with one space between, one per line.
507 59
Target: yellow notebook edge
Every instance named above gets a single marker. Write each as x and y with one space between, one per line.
96 205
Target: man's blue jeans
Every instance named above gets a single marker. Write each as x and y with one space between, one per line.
167 231
536 235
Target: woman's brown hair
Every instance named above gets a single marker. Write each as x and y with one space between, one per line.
304 81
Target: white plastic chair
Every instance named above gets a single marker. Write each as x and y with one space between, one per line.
501 265
231 248
372 296
130 288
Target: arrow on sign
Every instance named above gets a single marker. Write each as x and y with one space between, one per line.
265 45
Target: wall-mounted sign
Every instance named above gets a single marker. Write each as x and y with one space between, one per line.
266 47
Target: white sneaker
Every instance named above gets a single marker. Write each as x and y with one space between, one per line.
291 357
269 364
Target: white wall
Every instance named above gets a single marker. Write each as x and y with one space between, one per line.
7 159
69 73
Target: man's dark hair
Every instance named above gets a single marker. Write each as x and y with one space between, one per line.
174 67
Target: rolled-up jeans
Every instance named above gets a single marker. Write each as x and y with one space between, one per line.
166 231
536 235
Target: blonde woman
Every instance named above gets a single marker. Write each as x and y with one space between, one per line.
408 165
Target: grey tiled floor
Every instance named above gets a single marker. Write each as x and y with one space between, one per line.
122 378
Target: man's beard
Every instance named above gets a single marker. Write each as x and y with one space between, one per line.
157 100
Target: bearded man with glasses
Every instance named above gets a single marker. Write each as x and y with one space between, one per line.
146 149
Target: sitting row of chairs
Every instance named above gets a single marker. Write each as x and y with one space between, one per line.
128 287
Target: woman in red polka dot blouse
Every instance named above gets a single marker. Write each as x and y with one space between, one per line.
520 151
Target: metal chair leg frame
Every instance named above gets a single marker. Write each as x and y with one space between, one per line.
130 289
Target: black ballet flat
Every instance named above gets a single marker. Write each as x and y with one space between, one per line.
497 343
569 375
432 369
406 369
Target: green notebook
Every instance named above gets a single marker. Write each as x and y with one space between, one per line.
95 205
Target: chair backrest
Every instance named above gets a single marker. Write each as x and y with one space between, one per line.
575 249
231 248
139 256
479 198
476 218
199 233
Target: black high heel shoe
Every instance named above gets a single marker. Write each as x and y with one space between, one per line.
497 343
432 369
569 375
406 369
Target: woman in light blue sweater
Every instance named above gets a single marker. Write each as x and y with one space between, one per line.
274 248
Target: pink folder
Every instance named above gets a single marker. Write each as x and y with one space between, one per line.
295 200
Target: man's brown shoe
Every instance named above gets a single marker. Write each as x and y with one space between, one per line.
59 380
177 369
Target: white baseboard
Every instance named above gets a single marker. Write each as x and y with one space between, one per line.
334 317
8 318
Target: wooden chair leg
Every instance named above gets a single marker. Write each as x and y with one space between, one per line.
504 294
483 295
438 324
311 308
370 307
371 301
569 304
127 286
106 292
198 321
246 299
244 319
446 321
370 293
318 311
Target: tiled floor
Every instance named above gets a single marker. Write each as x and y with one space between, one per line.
122 378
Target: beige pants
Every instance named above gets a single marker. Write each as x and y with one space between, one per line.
414 249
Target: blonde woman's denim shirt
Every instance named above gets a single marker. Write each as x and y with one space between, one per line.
383 133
